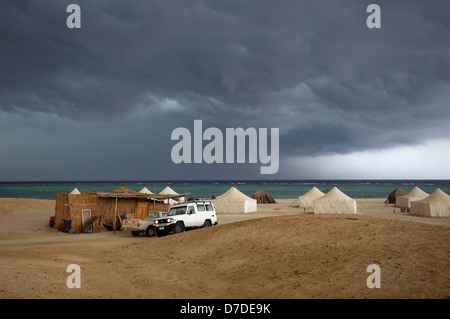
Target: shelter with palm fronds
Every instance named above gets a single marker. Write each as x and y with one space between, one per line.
396 193
262 197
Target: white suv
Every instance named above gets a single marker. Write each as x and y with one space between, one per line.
193 214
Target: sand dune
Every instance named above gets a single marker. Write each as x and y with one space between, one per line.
279 252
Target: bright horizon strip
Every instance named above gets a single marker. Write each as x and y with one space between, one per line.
429 160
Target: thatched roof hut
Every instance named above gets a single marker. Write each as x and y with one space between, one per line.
326 191
104 209
392 197
124 190
262 197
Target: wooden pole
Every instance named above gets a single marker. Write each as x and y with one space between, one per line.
115 217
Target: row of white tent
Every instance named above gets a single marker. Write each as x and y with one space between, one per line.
333 202
336 202
436 204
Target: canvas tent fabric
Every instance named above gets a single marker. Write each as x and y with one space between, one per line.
262 197
75 191
307 199
414 195
435 205
145 190
170 191
335 202
234 201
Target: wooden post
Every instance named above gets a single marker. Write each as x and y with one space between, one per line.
115 217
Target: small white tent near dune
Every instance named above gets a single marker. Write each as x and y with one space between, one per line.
75 191
414 195
145 190
170 191
335 202
307 199
234 201
435 205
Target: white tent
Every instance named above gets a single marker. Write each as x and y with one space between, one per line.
75 191
145 190
170 191
233 201
307 199
335 202
435 205
414 195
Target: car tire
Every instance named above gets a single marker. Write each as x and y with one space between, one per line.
178 228
207 223
150 231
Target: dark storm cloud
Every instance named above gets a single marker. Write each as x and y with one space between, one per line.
312 68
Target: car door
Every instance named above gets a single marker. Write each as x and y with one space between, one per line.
201 215
190 217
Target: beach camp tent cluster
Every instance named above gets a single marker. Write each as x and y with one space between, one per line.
417 202
435 205
104 209
333 202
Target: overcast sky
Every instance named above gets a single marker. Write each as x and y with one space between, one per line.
100 102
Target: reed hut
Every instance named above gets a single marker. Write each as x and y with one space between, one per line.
262 197
94 211
396 193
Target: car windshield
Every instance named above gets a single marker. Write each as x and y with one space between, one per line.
152 215
177 211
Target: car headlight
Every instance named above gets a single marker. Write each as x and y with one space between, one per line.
169 220
156 221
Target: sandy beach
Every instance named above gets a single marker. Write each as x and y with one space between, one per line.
279 252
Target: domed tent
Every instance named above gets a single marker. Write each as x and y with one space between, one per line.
262 197
75 191
335 202
435 205
307 199
233 201
145 190
414 195
396 193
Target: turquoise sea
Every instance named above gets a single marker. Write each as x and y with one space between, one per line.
206 189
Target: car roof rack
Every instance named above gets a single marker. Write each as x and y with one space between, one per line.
195 200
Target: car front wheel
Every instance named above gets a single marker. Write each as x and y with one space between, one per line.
178 228
150 231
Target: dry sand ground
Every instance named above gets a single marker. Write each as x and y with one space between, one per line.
279 252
